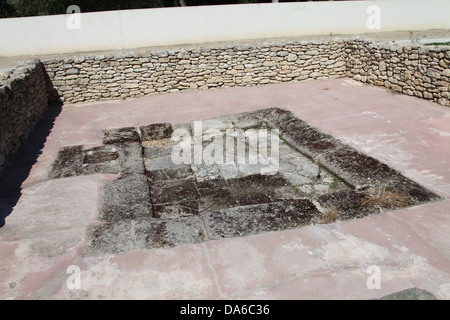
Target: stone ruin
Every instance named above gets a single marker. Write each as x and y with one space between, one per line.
155 202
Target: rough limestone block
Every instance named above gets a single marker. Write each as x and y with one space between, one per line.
156 131
133 202
253 219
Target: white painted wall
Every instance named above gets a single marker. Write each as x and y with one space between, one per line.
127 29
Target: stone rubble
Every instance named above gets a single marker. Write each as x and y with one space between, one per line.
23 100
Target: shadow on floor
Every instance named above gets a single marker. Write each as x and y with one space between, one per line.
18 171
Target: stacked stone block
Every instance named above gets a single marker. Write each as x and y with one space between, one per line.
411 69
131 75
23 99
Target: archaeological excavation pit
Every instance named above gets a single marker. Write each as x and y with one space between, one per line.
231 176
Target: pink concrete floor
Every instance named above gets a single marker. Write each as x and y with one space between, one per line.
45 232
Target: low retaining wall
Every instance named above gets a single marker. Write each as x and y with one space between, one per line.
412 69
23 100
93 78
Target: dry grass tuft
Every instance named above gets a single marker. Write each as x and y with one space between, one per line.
329 215
381 196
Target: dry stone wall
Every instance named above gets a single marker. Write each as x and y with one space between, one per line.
23 99
106 77
411 69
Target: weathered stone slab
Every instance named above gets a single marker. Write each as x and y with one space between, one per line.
173 232
253 219
160 163
214 195
347 204
131 158
389 187
205 172
104 159
258 182
156 131
228 171
299 134
178 172
126 235
175 210
357 168
99 155
152 152
110 238
120 135
415 193
157 202
308 140
173 192
275 117
68 162
245 199
125 158
126 198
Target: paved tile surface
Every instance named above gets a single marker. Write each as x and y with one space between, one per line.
47 228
